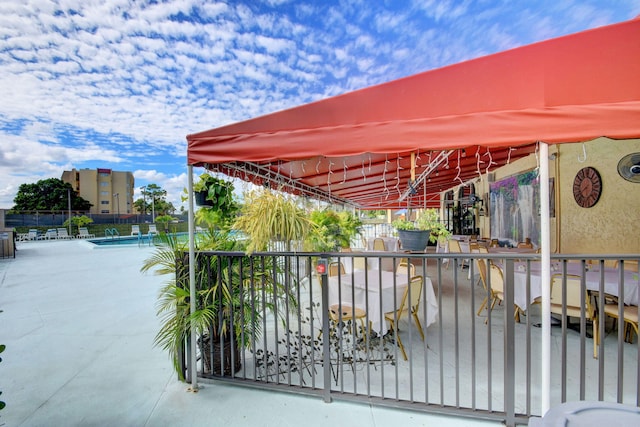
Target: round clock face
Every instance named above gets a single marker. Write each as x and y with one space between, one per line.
587 187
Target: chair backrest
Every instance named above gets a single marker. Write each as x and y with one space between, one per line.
378 244
497 280
482 269
62 232
359 263
336 269
629 264
416 291
483 250
152 228
454 246
415 288
135 229
405 267
573 302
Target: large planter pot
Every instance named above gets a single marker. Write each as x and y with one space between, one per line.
201 198
414 240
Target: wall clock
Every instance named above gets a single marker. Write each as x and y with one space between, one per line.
587 187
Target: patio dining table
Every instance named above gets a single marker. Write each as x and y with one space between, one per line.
378 292
592 276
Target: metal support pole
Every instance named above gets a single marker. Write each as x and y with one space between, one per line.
545 279
326 348
192 283
509 346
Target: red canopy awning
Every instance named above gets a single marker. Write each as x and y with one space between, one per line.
457 121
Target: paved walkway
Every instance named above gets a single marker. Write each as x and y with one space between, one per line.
79 325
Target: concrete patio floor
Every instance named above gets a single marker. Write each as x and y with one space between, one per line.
79 323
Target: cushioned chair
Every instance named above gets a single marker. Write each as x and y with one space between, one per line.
629 264
135 230
488 300
409 305
497 290
573 303
629 316
454 248
378 245
406 268
344 312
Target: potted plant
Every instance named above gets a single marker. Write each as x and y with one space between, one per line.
268 217
213 192
333 230
229 311
416 235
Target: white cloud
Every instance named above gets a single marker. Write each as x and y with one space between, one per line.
123 82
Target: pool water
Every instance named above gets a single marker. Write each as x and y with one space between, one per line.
144 239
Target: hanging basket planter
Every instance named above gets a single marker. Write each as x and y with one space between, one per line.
201 198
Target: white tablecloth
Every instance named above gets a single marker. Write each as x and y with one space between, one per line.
366 289
631 281
391 244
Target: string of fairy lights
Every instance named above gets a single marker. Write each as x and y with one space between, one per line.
277 176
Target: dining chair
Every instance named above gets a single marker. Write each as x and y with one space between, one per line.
525 245
629 264
496 284
573 303
409 305
454 248
336 269
488 300
406 268
378 244
629 315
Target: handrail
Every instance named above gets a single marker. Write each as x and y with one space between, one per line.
111 232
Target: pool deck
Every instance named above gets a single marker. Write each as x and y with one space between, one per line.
79 325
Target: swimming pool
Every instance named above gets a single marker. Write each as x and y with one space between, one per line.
144 239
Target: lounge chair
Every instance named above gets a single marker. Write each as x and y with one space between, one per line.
84 233
153 229
135 230
33 234
63 234
51 234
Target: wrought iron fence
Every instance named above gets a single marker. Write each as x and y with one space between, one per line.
285 326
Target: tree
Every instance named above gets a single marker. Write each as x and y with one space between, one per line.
153 200
50 194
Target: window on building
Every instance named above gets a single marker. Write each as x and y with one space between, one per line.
104 211
104 202
104 184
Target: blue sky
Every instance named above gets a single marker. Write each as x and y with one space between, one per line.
119 84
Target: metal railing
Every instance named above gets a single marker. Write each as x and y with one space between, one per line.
472 363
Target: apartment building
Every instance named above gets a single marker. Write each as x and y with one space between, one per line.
109 191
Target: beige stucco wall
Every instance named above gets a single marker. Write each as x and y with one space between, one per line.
611 226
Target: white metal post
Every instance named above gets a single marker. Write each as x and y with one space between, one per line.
192 281
545 277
